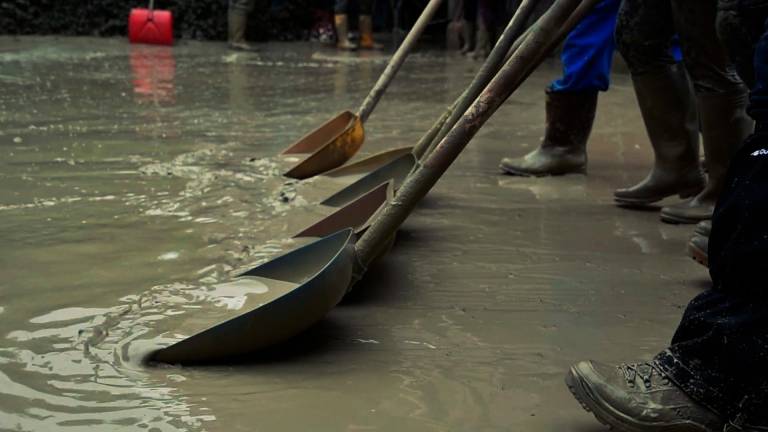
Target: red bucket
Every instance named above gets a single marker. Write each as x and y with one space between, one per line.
150 26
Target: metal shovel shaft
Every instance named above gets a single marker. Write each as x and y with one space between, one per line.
501 87
397 60
491 65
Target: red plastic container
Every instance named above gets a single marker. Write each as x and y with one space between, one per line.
150 26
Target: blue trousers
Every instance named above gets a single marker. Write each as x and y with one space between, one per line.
588 51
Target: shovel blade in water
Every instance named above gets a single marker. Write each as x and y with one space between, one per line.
327 147
395 171
369 164
321 272
356 215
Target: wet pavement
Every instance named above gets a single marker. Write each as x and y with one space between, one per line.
135 180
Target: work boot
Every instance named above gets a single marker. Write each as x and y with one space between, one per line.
638 398
366 34
237 23
482 42
725 125
570 116
669 111
698 249
342 33
468 34
703 228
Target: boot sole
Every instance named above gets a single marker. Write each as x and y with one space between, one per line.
520 173
680 220
698 255
614 420
640 202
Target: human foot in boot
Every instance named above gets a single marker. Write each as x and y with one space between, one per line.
638 398
724 127
366 34
698 248
342 33
570 116
668 107
237 22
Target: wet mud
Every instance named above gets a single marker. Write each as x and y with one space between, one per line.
136 181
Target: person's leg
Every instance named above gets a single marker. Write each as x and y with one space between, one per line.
721 99
237 21
366 25
341 19
644 36
571 101
719 353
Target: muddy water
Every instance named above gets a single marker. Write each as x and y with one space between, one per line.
135 181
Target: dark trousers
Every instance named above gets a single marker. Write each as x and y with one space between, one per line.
719 354
646 29
364 7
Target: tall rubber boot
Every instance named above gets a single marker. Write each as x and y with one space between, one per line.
237 23
468 34
570 116
482 41
725 125
668 107
342 33
366 33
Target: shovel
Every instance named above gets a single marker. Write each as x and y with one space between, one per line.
150 26
336 141
491 65
312 279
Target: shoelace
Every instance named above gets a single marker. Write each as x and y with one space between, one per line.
644 371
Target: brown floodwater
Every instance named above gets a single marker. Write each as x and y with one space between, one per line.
135 181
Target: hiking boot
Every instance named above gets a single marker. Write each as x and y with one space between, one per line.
366 34
237 23
570 116
669 111
724 126
342 33
638 398
698 248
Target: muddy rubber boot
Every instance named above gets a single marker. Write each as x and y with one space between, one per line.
668 107
570 116
638 398
342 33
698 249
725 125
237 23
703 228
482 42
468 37
366 34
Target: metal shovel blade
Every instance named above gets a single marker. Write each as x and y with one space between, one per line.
368 164
396 170
356 215
321 272
327 147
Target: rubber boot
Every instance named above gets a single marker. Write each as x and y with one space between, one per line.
482 41
366 33
725 125
468 34
668 107
698 249
237 23
342 33
570 116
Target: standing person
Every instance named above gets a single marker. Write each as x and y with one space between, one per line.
364 24
674 110
713 376
571 101
237 22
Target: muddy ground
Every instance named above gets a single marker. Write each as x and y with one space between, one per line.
134 179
